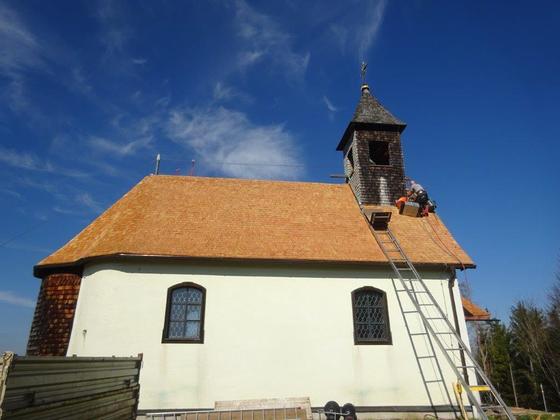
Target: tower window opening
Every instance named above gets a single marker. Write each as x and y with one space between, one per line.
351 158
379 152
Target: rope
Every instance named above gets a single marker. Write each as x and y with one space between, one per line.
443 246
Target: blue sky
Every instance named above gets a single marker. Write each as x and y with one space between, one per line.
92 91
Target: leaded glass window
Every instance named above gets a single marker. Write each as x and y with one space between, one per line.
371 322
185 313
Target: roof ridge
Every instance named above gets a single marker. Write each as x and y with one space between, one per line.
247 180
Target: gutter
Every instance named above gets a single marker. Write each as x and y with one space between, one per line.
451 283
76 267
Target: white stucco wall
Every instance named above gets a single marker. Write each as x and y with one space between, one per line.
269 332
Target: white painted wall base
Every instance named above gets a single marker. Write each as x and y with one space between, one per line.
270 332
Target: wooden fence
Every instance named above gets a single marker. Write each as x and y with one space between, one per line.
50 387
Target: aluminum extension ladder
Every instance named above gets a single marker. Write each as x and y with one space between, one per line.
414 286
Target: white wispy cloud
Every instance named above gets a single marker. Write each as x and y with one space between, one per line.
329 104
30 162
115 33
227 142
17 99
19 48
223 93
86 200
65 210
139 61
29 248
80 82
41 185
10 192
265 39
20 53
21 160
13 299
367 31
357 33
101 144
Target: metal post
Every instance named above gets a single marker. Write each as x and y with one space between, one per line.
158 158
513 385
544 399
191 172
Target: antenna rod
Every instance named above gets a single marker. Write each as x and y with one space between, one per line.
158 159
191 172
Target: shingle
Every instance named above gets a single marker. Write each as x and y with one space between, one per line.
474 312
370 111
201 217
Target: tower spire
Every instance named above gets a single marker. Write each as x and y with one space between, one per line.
371 145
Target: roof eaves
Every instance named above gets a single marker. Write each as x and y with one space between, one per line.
356 125
76 267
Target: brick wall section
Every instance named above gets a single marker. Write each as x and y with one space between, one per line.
377 184
54 315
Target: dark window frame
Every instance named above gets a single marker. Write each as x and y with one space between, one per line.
381 341
371 154
200 339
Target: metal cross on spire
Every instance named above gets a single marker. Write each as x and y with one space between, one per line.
363 72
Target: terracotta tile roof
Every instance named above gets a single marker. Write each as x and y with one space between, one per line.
474 312
179 216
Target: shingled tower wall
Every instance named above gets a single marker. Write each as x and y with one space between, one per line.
54 315
373 158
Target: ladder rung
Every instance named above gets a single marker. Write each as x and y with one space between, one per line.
409 312
480 388
404 269
426 304
454 349
426 357
466 367
433 381
434 317
447 333
423 333
492 407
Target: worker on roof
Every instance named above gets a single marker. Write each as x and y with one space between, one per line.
418 194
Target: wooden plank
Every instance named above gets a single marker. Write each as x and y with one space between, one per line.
266 404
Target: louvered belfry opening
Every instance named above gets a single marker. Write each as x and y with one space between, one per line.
373 158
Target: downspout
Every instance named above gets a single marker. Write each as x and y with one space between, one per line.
451 283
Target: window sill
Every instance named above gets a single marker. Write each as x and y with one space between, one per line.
181 341
387 342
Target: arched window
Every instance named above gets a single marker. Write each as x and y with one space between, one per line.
371 318
184 315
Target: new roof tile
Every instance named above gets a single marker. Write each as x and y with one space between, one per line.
180 216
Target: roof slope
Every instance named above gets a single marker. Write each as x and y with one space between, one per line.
473 312
370 111
180 216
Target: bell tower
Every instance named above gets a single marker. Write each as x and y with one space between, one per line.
373 158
